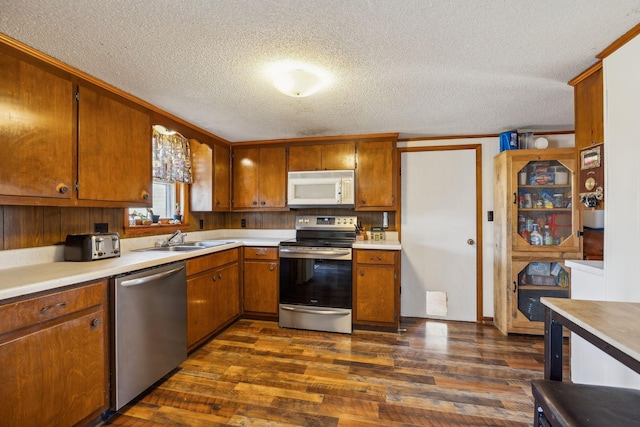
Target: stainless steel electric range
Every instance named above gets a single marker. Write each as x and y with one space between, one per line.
315 274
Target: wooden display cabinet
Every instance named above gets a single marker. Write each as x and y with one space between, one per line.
532 189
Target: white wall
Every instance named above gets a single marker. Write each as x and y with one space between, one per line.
622 188
490 148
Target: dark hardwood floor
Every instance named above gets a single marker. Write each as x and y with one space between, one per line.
434 374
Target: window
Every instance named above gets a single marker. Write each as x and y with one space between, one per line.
171 159
164 199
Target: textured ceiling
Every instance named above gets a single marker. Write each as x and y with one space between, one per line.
417 67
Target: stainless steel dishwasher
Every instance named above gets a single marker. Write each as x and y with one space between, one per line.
149 336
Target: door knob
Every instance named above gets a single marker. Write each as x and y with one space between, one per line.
471 242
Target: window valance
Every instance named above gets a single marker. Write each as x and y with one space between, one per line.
171 156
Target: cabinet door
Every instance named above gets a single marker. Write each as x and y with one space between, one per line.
543 198
531 280
375 294
210 187
222 185
202 188
114 150
305 158
245 177
261 287
589 110
375 178
37 133
56 376
227 291
201 304
339 156
272 177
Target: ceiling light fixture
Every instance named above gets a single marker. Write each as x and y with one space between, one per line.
297 80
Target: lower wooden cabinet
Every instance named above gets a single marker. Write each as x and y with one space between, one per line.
213 294
54 358
261 281
376 289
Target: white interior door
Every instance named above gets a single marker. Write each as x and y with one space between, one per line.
439 234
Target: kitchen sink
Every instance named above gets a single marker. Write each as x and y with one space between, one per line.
187 247
208 243
173 248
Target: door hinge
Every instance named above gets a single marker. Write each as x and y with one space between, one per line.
76 96
76 185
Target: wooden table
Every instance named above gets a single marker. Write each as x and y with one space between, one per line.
612 327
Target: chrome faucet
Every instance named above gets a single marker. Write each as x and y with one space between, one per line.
176 234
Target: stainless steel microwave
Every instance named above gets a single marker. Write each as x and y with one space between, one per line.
321 189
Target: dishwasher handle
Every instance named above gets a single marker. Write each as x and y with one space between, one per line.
147 279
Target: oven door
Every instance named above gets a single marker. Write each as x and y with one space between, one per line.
315 288
315 276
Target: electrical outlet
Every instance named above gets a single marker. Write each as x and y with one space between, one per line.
489 215
101 227
201 224
243 223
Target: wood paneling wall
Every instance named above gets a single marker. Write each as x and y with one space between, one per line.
34 226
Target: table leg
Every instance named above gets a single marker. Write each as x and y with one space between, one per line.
552 347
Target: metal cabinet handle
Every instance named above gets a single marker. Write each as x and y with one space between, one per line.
61 188
145 195
254 203
361 272
514 286
95 323
49 307
272 267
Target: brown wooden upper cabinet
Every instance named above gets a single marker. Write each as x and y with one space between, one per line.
210 190
43 164
37 135
259 178
589 107
322 157
376 171
114 149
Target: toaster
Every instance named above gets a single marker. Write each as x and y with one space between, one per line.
91 247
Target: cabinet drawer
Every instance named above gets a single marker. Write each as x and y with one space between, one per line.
32 311
207 262
261 253
375 257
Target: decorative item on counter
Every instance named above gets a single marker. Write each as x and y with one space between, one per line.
177 217
154 218
377 234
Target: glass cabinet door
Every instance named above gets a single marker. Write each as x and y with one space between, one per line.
543 200
533 280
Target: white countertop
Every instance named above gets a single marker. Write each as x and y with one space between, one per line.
592 267
26 271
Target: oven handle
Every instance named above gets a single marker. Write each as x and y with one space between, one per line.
309 311
332 252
